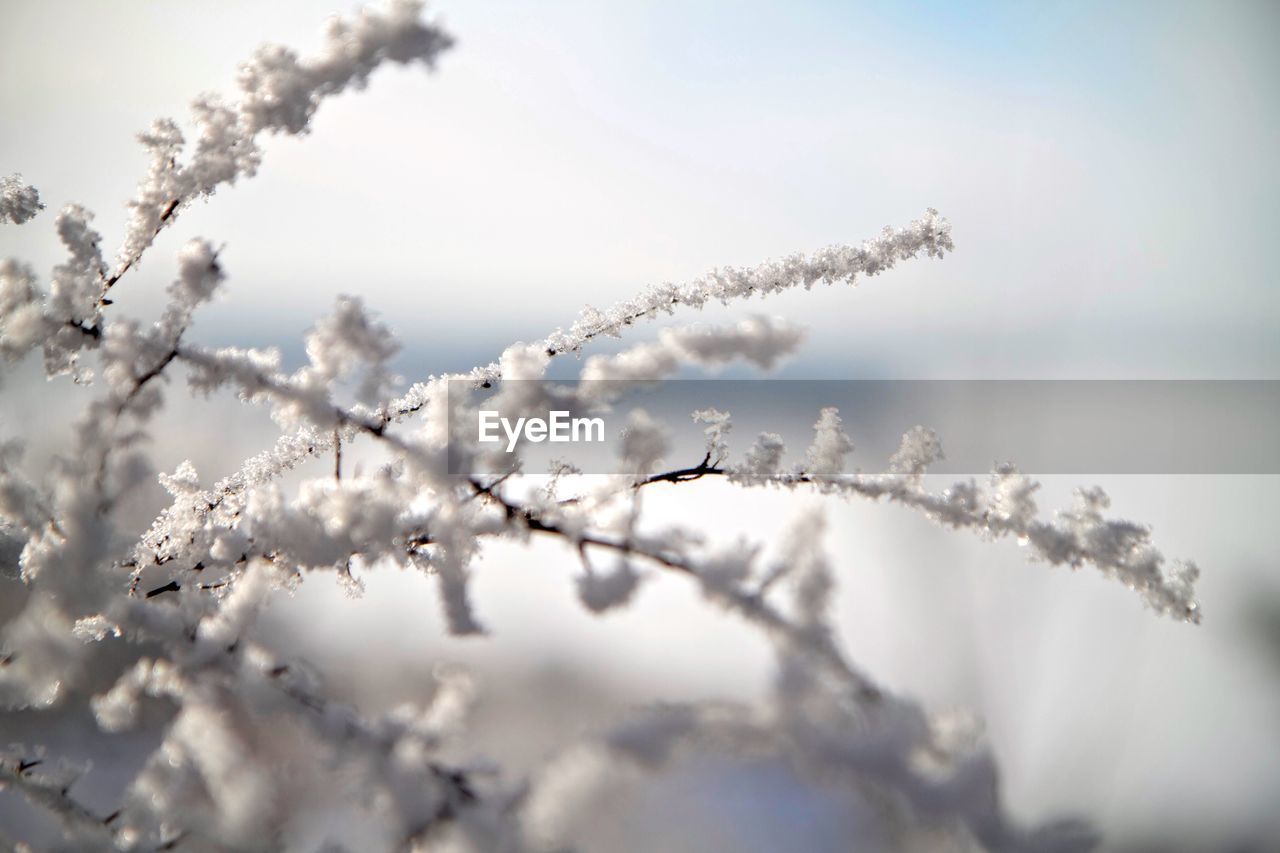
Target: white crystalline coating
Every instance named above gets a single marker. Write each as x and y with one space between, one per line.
725 571
44 780
22 324
208 764
825 456
763 460
919 449
1012 494
452 567
282 90
347 339
805 562
761 341
198 274
117 709
451 703
46 657
183 481
23 328
77 282
23 505
717 431
931 235
1005 507
642 363
523 361
19 201
644 443
601 591
238 612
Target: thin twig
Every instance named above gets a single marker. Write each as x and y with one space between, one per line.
337 454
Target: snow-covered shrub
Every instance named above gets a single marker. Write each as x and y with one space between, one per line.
186 590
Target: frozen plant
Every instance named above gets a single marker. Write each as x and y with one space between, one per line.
165 614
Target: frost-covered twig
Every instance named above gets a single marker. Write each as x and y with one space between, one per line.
48 786
1005 508
280 92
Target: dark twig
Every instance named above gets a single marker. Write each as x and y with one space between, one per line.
171 586
110 282
684 475
337 454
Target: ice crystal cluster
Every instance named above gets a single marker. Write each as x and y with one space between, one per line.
18 201
165 613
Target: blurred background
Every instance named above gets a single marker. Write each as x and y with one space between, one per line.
1110 173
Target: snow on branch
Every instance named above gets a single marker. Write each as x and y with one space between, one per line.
1004 507
930 235
280 92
